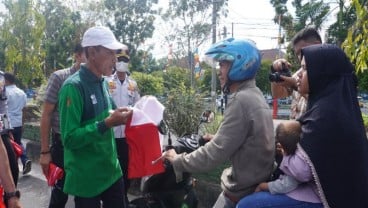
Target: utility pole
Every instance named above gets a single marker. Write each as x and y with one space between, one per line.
213 77
275 102
232 29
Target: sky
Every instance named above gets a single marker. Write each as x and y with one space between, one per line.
251 20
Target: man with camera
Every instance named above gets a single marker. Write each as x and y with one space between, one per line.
283 84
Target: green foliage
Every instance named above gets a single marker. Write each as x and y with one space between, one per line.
262 80
310 13
148 84
212 127
355 45
63 31
365 120
176 78
183 111
337 32
132 23
22 35
190 24
143 61
184 105
362 80
204 84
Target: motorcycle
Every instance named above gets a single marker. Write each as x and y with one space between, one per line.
162 190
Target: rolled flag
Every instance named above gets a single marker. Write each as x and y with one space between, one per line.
55 173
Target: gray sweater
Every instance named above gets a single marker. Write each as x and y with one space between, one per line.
245 137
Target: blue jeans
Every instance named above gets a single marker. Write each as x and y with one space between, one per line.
266 200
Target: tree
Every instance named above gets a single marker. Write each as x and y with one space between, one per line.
262 77
346 17
356 42
191 25
149 84
311 13
183 110
63 31
176 78
132 23
22 35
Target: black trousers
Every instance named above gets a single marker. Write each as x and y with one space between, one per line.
58 197
123 155
110 198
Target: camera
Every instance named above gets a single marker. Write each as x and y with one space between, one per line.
274 76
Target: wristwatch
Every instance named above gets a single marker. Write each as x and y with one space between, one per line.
9 195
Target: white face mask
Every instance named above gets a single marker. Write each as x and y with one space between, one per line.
122 66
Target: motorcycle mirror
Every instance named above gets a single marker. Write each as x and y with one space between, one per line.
162 127
207 116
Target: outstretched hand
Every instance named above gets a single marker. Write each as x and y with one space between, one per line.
207 137
118 116
170 155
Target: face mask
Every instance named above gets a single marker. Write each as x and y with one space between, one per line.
122 67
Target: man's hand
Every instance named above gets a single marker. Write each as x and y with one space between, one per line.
45 160
288 82
14 202
118 117
170 154
207 137
278 64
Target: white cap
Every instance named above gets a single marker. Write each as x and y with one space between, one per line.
122 66
101 36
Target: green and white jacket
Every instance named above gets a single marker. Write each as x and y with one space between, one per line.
90 157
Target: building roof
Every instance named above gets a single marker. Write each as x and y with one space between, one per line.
271 54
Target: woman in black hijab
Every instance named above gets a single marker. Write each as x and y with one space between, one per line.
333 134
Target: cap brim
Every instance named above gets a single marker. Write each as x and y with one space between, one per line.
114 45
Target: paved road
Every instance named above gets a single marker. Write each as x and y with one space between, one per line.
34 190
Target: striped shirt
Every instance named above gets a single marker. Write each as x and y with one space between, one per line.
54 84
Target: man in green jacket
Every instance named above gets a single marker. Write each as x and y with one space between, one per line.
93 173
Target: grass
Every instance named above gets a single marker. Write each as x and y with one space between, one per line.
212 176
365 120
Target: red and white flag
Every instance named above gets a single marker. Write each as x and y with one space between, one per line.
143 138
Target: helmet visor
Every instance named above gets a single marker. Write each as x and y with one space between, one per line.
212 58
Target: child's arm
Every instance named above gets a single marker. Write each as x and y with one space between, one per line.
283 185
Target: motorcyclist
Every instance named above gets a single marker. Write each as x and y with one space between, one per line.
245 136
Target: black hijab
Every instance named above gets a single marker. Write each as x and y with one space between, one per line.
333 135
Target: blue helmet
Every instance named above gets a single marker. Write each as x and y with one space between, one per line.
243 54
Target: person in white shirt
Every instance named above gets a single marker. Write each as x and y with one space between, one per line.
17 100
125 93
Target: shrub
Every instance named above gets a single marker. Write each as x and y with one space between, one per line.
365 120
